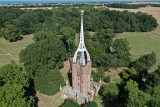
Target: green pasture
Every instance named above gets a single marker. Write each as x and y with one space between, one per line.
10 51
143 43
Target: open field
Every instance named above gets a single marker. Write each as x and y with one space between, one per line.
35 8
143 42
49 101
10 51
144 2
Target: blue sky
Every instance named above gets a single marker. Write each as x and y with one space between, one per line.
77 0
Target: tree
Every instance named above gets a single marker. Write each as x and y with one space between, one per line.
27 22
90 104
107 79
155 100
129 74
135 97
109 94
98 75
105 38
153 79
144 62
68 37
11 33
69 103
51 82
97 53
43 55
121 52
40 58
14 82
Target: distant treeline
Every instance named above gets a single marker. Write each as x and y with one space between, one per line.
130 6
125 6
16 22
112 5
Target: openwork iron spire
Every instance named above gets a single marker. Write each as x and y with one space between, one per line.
81 55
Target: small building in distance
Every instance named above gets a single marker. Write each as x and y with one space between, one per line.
83 87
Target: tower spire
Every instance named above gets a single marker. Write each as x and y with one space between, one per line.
82 31
81 55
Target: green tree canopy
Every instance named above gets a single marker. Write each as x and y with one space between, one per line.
121 52
135 97
109 94
144 62
105 38
43 55
51 82
11 33
90 104
14 82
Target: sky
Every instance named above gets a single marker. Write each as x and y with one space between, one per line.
79 0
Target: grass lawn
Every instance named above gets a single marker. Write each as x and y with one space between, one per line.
142 43
49 101
10 51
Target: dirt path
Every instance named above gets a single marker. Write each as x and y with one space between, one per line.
7 53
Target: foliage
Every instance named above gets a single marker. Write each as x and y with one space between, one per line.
90 104
21 22
144 62
125 5
51 82
8 14
155 100
107 79
153 79
121 52
98 75
68 37
11 33
13 88
105 38
135 97
69 103
97 53
109 93
43 55
128 74
40 58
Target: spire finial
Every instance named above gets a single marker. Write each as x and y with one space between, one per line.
82 11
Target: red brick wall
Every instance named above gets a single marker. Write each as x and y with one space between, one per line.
81 77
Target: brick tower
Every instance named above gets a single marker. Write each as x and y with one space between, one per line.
81 66
83 87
